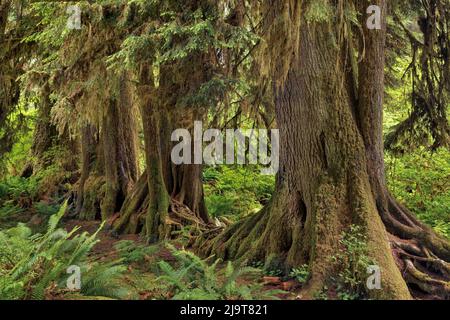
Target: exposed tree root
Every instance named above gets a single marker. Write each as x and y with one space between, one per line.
135 208
421 255
402 223
422 268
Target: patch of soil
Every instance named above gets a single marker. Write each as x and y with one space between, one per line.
105 246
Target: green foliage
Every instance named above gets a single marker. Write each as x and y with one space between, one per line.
319 11
301 274
352 261
273 266
46 209
321 294
178 35
130 252
195 279
49 180
15 188
33 265
9 210
16 136
104 279
234 191
421 181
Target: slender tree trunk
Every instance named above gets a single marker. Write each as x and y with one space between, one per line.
412 240
155 221
90 182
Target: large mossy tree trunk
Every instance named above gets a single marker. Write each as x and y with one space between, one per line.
330 164
119 138
45 138
167 196
109 167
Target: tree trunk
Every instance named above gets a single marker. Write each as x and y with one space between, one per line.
45 135
173 195
119 139
109 160
52 156
330 161
90 182
416 246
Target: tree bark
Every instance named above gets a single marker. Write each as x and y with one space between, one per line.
405 229
119 137
109 159
87 196
173 196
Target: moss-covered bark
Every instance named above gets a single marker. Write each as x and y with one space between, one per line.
158 198
108 159
174 192
87 189
401 224
119 138
172 195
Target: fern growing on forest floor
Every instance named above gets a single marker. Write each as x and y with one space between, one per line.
35 266
131 252
195 279
301 274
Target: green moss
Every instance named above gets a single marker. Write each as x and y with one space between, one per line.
319 11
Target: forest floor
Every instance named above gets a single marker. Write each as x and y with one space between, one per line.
106 250
145 272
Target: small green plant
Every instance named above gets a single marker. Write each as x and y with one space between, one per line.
300 274
273 266
196 279
345 295
353 261
321 294
256 264
274 273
